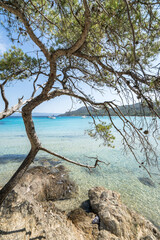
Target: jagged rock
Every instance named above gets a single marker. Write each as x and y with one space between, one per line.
83 221
104 235
116 220
27 213
36 220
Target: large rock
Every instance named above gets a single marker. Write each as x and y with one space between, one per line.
36 220
27 213
43 184
117 222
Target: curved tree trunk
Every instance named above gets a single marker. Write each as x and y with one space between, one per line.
35 146
18 174
31 133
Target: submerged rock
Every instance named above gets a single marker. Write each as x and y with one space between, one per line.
27 213
43 184
147 181
116 220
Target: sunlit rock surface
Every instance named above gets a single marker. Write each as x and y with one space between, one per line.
29 212
116 220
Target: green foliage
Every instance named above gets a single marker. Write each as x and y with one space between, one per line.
124 35
102 131
15 64
61 23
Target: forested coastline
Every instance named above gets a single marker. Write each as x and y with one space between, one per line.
127 110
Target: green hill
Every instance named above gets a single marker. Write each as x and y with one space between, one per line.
127 110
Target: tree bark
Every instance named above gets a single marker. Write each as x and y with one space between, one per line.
4 97
18 174
35 146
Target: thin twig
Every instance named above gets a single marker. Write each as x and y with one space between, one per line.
70 161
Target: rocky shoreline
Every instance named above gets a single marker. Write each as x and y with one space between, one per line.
30 212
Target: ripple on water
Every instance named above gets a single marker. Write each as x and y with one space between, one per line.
65 136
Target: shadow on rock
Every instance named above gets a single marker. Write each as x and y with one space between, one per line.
86 206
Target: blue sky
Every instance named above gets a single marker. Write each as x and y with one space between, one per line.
59 105
62 104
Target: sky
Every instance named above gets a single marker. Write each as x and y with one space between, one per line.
61 104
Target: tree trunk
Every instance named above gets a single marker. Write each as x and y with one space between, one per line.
35 146
18 174
33 138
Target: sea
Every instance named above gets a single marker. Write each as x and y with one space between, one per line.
68 137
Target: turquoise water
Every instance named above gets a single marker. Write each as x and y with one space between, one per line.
65 136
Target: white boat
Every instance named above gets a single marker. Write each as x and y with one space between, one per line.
51 117
83 116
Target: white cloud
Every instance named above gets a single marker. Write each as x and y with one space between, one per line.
3 47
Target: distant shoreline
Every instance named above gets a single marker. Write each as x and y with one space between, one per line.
59 116
46 116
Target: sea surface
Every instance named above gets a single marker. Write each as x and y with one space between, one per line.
66 136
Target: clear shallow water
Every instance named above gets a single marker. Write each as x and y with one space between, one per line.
65 135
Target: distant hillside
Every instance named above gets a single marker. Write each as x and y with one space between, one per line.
128 110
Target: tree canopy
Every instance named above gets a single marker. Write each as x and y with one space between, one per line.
113 43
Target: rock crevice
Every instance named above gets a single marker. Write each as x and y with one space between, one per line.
29 212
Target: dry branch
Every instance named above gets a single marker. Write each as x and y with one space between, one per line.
70 161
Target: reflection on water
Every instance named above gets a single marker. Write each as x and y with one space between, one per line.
65 136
